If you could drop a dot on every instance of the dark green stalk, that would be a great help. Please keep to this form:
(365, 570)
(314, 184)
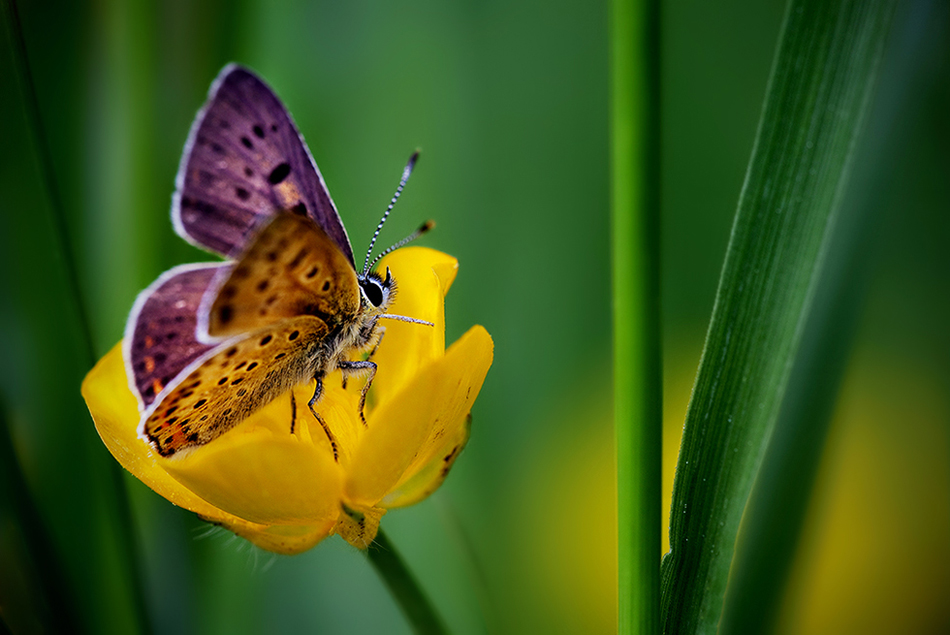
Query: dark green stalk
(635, 242)
(68, 262)
(41, 145)
(29, 545)
(403, 587)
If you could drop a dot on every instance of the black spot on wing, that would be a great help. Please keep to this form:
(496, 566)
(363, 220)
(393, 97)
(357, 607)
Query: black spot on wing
(279, 173)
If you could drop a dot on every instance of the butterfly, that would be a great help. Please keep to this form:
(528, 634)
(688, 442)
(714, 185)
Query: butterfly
(206, 345)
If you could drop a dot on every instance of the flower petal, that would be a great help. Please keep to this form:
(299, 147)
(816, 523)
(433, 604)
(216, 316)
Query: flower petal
(285, 539)
(115, 412)
(423, 276)
(252, 477)
(405, 431)
(263, 473)
(429, 468)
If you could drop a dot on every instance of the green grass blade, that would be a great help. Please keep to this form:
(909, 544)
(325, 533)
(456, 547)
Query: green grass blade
(823, 75)
(635, 235)
(64, 258)
(45, 161)
(772, 522)
(34, 588)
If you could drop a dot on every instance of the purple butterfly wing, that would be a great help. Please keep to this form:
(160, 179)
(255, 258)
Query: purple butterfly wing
(160, 336)
(244, 161)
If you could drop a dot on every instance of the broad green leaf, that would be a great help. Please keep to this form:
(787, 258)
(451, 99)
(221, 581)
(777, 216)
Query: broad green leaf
(823, 76)
(772, 522)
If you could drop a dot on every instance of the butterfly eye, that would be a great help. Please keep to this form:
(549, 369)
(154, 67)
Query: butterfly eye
(377, 290)
(373, 290)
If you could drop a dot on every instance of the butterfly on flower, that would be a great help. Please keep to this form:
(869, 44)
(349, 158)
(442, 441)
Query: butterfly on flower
(206, 345)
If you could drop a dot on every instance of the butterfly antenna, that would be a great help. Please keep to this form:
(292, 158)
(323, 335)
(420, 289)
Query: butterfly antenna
(402, 183)
(426, 226)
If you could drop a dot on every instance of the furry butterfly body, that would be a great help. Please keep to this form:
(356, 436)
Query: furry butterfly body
(207, 345)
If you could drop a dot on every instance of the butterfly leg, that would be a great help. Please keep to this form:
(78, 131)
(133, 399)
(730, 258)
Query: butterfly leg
(380, 331)
(349, 368)
(317, 392)
(293, 412)
(379, 340)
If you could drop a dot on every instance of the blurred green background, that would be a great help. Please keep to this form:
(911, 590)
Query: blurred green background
(508, 101)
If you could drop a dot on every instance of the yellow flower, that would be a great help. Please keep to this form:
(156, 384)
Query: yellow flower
(283, 490)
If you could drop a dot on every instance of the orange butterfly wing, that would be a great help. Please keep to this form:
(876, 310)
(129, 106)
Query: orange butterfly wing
(275, 307)
(292, 268)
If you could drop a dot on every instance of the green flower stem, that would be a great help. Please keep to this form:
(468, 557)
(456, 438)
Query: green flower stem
(635, 236)
(403, 586)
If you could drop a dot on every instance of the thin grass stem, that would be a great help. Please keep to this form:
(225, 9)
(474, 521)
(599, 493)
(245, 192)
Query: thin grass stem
(635, 242)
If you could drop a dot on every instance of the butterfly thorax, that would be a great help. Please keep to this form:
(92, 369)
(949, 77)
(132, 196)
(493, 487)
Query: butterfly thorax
(363, 333)
(349, 341)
